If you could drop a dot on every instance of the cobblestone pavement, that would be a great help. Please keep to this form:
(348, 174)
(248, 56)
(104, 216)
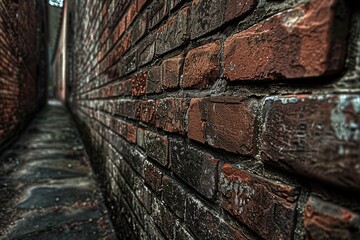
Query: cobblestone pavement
(47, 187)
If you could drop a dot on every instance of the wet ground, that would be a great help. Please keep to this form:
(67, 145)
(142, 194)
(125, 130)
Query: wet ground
(47, 187)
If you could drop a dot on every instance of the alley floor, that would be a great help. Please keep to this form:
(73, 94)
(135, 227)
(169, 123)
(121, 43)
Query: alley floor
(47, 187)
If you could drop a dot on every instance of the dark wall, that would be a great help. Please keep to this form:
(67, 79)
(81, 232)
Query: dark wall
(226, 119)
(22, 64)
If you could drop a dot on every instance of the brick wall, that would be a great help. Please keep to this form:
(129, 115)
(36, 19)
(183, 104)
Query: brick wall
(22, 64)
(226, 119)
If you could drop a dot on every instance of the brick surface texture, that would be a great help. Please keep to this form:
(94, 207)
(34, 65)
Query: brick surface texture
(22, 64)
(226, 119)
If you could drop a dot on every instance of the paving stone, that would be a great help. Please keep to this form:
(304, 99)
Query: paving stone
(47, 187)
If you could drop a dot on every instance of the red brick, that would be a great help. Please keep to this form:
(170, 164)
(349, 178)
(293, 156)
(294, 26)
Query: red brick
(146, 111)
(139, 84)
(123, 45)
(223, 122)
(131, 14)
(131, 133)
(325, 220)
(119, 29)
(301, 42)
(120, 127)
(238, 8)
(264, 206)
(196, 121)
(153, 176)
(314, 135)
(171, 72)
(202, 66)
(140, 4)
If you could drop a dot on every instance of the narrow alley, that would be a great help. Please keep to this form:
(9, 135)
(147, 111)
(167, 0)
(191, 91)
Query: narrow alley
(47, 186)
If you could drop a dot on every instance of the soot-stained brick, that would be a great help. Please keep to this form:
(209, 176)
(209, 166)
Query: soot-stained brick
(170, 114)
(206, 224)
(152, 176)
(157, 147)
(153, 82)
(174, 195)
(314, 135)
(325, 220)
(173, 33)
(263, 205)
(194, 166)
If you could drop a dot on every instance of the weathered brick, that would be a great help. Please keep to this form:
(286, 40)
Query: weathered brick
(152, 176)
(153, 232)
(140, 4)
(223, 122)
(131, 14)
(131, 133)
(158, 9)
(140, 137)
(174, 195)
(206, 15)
(206, 224)
(128, 64)
(135, 158)
(170, 114)
(200, 172)
(202, 66)
(139, 84)
(325, 220)
(153, 82)
(173, 33)
(163, 218)
(157, 147)
(146, 197)
(123, 88)
(301, 42)
(197, 121)
(174, 3)
(139, 29)
(171, 72)
(314, 135)
(119, 29)
(146, 49)
(181, 233)
(263, 205)
(238, 8)
(146, 111)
